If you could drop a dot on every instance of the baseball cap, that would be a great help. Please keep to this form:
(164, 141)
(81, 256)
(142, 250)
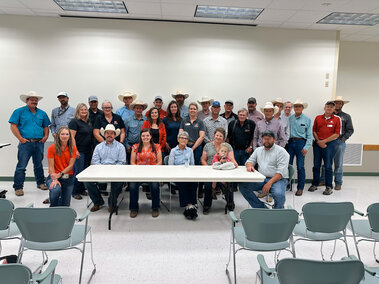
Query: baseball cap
(330, 103)
(216, 104)
(92, 98)
(158, 98)
(62, 94)
(252, 100)
(268, 133)
(229, 102)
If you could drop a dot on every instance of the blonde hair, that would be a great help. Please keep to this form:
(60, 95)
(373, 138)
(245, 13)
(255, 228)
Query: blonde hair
(57, 141)
(225, 146)
(193, 104)
(77, 111)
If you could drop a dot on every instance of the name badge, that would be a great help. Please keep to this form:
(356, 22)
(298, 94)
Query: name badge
(188, 124)
(329, 125)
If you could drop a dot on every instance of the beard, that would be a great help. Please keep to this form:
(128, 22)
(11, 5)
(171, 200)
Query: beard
(268, 145)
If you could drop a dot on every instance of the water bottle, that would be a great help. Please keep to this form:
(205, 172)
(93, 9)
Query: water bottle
(186, 160)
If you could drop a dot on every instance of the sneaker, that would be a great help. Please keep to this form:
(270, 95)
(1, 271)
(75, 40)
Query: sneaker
(261, 195)
(187, 213)
(269, 199)
(78, 197)
(19, 192)
(155, 213)
(42, 186)
(312, 188)
(299, 193)
(95, 208)
(133, 214)
(193, 213)
(231, 206)
(337, 187)
(328, 191)
(206, 210)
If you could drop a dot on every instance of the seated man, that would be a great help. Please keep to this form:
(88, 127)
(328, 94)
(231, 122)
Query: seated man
(272, 162)
(109, 152)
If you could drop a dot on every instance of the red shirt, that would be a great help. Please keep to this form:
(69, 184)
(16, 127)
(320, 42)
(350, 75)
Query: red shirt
(146, 157)
(61, 162)
(162, 113)
(162, 133)
(325, 128)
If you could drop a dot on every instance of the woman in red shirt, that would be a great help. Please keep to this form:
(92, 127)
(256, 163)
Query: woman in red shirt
(157, 127)
(145, 153)
(61, 157)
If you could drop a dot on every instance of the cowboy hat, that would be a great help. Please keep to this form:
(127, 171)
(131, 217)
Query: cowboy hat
(300, 102)
(110, 127)
(127, 94)
(278, 101)
(340, 99)
(138, 102)
(180, 93)
(270, 105)
(205, 99)
(31, 94)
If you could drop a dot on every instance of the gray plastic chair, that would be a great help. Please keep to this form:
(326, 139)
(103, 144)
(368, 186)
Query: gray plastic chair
(53, 229)
(262, 230)
(367, 229)
(8, 229)
(301, 271)
(16, 273)
(325, 221)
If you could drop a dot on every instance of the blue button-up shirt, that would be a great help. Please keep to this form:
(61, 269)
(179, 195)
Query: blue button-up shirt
(124, 112)
(61, 117)
(184, 111)
(133, 127)
(301, 127)
(286, 124)
(271, 162)
(109, 154)
(29, 124)
(179, 157)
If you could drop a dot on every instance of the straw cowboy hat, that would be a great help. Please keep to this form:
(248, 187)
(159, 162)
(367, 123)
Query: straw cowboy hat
(127, 94)
(270, 105)
(300, 102)
(205, 99)
(340, 99)
(180, 93)
(31, 94)
(278, 101)
(138, 102)
(110, 127)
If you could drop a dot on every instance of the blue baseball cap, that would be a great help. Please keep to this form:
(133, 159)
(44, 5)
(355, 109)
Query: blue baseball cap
(216, 104)
(64, 94)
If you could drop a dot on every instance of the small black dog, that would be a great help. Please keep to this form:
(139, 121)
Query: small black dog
(2, 194)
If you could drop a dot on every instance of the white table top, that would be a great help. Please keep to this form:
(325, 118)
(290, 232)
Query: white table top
(123, 173)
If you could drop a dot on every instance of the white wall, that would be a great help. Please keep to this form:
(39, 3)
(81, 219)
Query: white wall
(105, 57)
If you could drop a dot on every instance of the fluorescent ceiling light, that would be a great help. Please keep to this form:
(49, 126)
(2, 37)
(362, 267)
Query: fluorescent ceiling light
(338, 18)
(98, 6)
(227, 12)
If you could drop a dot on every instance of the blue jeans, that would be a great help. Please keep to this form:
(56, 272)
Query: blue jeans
(327, 155)
(241, 156)
(187, 193)
(94, 189)
(25, 151)
(278, 192)
(294, 149)
(80, 164)
(134, 195)
(338, 163)
(60, 195)
(197, 155)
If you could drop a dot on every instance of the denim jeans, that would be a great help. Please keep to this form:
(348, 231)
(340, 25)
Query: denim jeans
(326, 155)
(60, 195)
(80, 164)
(94, 189)
(278, 192)
(294, 149)
(208, 195)
(25, 151)
(338, 164)
(187, 193)
(134, 195)
(197, 155)
(241, 156)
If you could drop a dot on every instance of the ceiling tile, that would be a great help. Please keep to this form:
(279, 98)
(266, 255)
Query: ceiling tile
(17, 11)
(295, 25)
(41, 4)
(361, 6)
(319, 5)
(287, 4)
(11, 4)
(148, 8)
(276, 15)
(187, 10)
(307, 16)
(325, 27)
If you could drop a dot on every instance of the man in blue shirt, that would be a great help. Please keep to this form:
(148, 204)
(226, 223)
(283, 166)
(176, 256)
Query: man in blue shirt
(29, 125)
(61, 116)
(109, 152)
(127, 98)
(300, 140)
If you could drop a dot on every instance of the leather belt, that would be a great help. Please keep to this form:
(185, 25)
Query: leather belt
(296, 138)
(35, 140)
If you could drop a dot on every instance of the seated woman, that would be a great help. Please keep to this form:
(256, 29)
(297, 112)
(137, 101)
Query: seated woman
(145, 153)
(187, 190)
(209, 151)
(61, 157)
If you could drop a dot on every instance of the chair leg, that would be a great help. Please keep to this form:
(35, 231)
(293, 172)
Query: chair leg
(345, 241)
(93, 262)
(376, 259)
(355, 240)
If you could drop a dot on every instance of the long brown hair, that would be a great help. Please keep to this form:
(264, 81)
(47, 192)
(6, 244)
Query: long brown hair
(140, 145)
(169, 113)
(150, 119)
(57, 141)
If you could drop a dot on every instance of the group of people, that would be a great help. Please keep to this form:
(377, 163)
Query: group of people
(267, 141)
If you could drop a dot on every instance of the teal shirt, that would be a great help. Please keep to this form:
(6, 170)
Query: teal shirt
(301, 127)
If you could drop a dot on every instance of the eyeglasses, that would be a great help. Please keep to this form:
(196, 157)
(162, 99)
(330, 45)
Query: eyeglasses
(185, 138)
(107, 108)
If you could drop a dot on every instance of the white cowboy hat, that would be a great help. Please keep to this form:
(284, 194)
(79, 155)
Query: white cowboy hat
(110, 127)
(138, 102)
(180, 93)
(31, 94)
(205, 99)
(127, 94)
(340, 99)
(278, 101)
(300, 102)
(270, 105)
